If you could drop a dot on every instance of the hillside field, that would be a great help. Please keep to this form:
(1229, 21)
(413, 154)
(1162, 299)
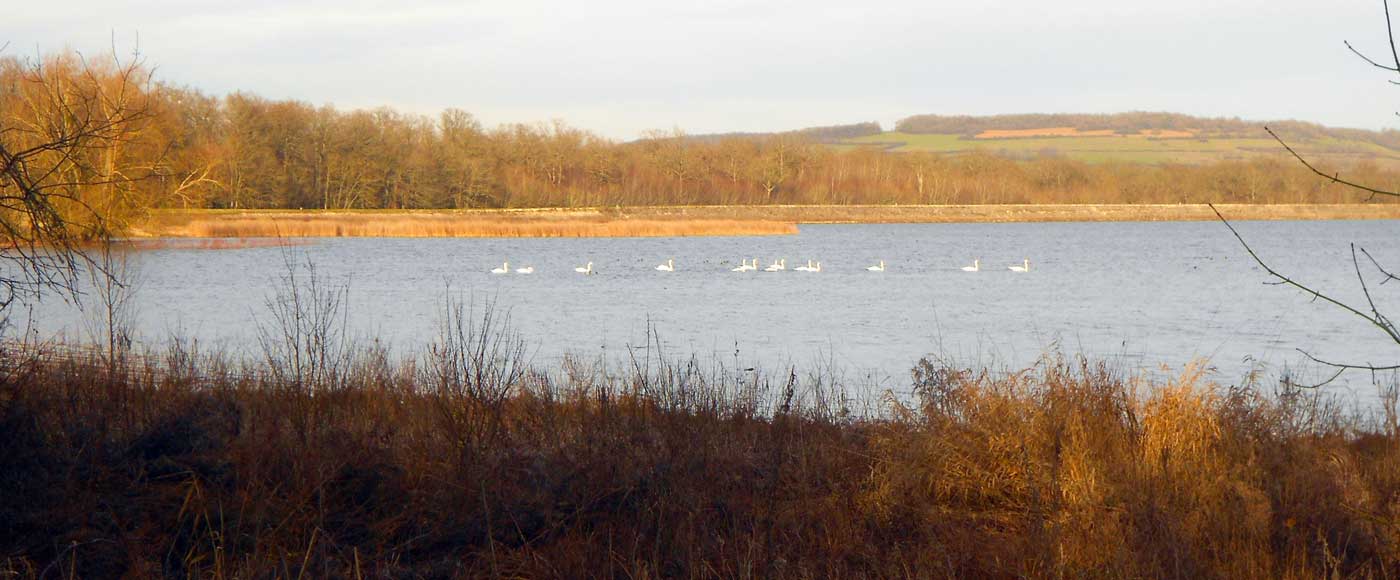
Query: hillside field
(1140, 148)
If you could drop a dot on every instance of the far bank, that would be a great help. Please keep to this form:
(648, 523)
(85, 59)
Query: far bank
(668, 221)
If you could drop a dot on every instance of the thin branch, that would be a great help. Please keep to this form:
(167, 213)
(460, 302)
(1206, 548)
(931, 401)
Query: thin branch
(1335, 178)
(1368, 59)
(1317, 295)
(1379, 318)
(1388, 275)
(1293, 383)
(1345, 366)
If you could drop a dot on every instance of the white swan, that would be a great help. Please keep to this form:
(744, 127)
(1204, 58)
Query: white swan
(585, 270)
(816, 268)
(744, 266)
(1024, 267)
(777, 266)
(976, 265)
(806, 268)
(504, 269)
(525, 270)
(669, 266)
(878, 267)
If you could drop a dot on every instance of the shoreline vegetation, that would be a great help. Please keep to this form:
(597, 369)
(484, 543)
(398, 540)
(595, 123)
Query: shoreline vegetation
(324, 459)
(668, 221)
(150, 146)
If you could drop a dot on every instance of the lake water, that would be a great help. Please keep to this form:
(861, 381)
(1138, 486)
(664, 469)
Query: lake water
(1141, 295)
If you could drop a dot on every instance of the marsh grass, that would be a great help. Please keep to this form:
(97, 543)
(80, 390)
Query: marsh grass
(447, 225)
(469, 461)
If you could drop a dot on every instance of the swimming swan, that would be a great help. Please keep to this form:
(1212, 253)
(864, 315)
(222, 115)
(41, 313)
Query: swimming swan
(976, 265)
(745, 267)
(807, 268)
(504, 269)
(585, 270)
(816, 268)
(1024, 267)
(777, 266)
(877, 268)
(669, 266)
(525, 270)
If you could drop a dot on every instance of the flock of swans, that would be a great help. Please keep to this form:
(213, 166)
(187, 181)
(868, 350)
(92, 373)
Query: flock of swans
(778, 265)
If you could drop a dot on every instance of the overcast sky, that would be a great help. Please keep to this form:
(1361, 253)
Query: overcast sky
(620, 67)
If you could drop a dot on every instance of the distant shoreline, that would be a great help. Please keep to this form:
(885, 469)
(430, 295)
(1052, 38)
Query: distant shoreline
(654, 221)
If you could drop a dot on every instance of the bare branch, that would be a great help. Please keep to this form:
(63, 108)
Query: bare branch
(1388, 275)
(1334, 178)
(1346, 367)
(1317, 295)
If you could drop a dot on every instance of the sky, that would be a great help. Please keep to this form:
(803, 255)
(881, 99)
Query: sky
(623, 67)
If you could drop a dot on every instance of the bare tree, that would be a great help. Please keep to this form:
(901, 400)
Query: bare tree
(1370, 312)
(65, 123)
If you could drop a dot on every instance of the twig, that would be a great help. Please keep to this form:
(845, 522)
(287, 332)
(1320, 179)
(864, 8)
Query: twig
(1346, 366)
(1334, 178)
(1317, 295)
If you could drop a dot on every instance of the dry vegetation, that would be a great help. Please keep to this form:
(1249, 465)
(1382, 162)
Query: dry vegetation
(330, 461)
(389, 224)
(683, 221)
(188, 150)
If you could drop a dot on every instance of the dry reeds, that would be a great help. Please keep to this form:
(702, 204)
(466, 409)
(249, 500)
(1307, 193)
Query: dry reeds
(438, 225)
(468, 462)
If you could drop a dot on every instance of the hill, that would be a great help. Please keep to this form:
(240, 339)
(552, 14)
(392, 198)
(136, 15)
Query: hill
(1139, 137)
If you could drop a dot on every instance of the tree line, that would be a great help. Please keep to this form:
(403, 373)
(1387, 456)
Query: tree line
(188, 149)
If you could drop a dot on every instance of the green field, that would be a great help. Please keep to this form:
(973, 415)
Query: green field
(1130, 148)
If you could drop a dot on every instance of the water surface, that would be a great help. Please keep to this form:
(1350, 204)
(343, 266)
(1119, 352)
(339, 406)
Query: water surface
(1144, 295)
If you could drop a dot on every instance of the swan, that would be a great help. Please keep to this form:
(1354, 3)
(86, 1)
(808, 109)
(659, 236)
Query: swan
(1024, 267)
(585, 270)
(807, 268)
(816, 268)
(744, 266)
(777, 266)
(669, 266)
(504, 269)
(525, 270)
(976, 265)
(877, 268)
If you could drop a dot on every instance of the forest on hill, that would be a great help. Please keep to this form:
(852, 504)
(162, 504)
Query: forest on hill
(182, 148)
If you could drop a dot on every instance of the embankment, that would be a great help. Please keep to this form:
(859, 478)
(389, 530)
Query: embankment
(667, 221)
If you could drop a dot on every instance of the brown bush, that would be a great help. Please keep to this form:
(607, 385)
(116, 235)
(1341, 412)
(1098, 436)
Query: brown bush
(469, 462)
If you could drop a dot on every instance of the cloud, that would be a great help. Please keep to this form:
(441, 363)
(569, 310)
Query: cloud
(623, 66)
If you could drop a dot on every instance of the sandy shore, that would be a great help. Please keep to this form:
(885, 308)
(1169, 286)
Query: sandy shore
(694, 220)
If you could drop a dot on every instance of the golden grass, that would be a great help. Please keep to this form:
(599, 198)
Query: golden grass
(471, 465)
(654, 221)
(438, 225)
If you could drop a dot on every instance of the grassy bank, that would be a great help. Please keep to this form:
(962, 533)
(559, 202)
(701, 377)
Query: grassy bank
(693, 220)
(470, 463)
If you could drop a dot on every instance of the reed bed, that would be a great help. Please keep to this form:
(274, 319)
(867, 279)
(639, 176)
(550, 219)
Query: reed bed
(328, 460)
(663, 221)
(436, 225)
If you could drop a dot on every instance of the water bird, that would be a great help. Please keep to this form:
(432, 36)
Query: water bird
(1024, 267)
(669, 266)
(585, 270)
(816, 268)
(878, 267)
(745, 267)
(976, 265)
(525, 270)
(807, 268)
(504, 269)
(777, 266)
